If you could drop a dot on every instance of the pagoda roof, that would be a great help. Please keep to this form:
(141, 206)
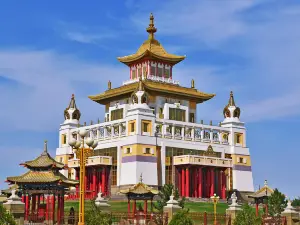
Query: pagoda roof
(34, 177)
(265, 191)
(151, 49)
(43, 161)
(139, 188)
(161, 87)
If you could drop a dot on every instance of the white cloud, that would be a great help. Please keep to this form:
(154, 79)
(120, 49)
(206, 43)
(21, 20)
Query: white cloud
(45, 82)
(87, 38)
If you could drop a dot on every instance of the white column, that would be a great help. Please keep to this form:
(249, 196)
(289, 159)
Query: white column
(211, 136)
(119, 154)
(182, 132)
(220, 136)
(112, 131)
(193, 133)
(173, 130)
(120, 129)
(202, 134)
(98, 132)
(105, 132)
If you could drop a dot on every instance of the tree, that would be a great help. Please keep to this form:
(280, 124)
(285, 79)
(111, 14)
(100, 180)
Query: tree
(276, 203)
(95, 216)
(164, 197)
(5, 217)
(247, 216)
(296, 202)
(181, 218)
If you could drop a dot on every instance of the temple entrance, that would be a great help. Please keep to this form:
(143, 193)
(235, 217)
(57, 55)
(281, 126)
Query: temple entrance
(200, 181)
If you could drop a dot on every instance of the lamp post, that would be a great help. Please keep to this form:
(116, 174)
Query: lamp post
(83, 154)
(215, 200)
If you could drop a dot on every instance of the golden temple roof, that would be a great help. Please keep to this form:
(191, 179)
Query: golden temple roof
(42, 177)
(156, 86)
(265, 191)
(140, 188)
(43, 161)
(151, 48)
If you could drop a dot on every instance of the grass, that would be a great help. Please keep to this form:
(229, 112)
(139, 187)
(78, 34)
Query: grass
(121, 206)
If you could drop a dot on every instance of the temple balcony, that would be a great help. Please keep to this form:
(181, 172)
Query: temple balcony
(154, 78)
(169, 129)
(201, 160)
(92, 161)
(195, 132)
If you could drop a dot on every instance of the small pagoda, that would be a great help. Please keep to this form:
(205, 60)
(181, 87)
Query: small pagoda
(43, 188)
(139, 191)
(261, 195)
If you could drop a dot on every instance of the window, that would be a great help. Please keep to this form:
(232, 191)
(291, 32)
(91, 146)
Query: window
(140, 72)
(147, 151)
(145, 127)
(152, 70)
(132, 126)
(159, 72)
(61, 159)
(116, 114)
(145, 71)
(161, 115)
(128, 151)
(192, 117)
(177, 114)
(238, 138)
(241, 160)
(153, 110)
(167, 73)
(133, 74)
(63, 139)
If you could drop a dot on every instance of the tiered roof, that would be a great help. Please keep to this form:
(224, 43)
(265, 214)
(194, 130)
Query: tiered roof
(154, 86)
(151, 48)
(42, 170)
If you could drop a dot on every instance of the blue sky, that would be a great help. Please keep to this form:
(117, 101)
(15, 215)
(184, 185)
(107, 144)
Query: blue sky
(50, 50)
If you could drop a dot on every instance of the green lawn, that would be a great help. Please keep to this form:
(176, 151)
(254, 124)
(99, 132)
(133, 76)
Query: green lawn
(121, 206)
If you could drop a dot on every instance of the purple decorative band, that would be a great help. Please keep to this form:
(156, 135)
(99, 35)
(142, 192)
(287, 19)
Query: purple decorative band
(242, 168)
(139, 158)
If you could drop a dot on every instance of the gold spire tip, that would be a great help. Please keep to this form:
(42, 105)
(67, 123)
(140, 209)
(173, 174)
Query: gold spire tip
(151, 29)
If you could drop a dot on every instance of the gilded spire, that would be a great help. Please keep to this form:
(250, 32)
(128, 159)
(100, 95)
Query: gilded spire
(231, 100)
(151, 29)
(72, 104)
(141, 178)
(45, 147)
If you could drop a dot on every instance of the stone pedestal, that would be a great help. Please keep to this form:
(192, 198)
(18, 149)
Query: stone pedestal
(16, 207)
(102, 204)
(292, 216)
(233, 209)
(172, 207)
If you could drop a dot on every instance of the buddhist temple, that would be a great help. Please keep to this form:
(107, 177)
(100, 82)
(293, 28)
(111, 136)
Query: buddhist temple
(43, 188)
(151, 126)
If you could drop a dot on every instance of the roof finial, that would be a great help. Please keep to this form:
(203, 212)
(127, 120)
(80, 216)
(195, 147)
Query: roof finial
(231, 100)
(151, 29)
(45, 146)
(109, 85)
(266, 183)
(72, 104)
(141, 178)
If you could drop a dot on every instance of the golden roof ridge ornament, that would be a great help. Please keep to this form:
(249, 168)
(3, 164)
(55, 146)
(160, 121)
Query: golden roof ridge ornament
(151, 29)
